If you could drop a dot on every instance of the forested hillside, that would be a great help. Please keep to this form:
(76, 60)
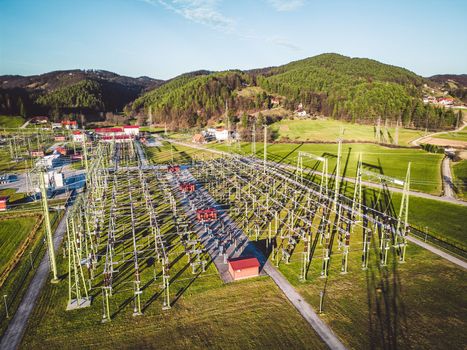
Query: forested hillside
(355, 89)
(71, 91)
(191, 100)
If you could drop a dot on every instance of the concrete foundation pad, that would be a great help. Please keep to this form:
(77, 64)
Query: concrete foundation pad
(75, 304)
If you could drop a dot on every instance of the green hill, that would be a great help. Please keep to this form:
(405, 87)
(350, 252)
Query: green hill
(191, 100)
(352, 89)
(355, 89)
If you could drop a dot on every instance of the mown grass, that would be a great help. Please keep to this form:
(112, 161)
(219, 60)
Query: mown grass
(8, 121)
(13, 231)
(458, 136)
(177, 154)
(251, 314)
(330, 130)
(459, 172)
(425, 168)
(420, 304)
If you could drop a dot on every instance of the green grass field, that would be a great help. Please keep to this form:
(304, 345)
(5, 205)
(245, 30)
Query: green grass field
(13, 231)
(459, 136)
(416, 305)
(459, 171)
(176, 153)
(7, 121)
(425, 173)
(330, 131)
(205, 313)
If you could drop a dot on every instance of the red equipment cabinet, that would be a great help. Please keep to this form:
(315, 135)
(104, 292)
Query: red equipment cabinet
(209, 214)
(187, 187)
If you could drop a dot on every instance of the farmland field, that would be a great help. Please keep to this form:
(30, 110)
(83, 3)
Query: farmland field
(459, 171)
(248, 314)
(7, 121)
(330, 131)
(425, 174)
(13, 231)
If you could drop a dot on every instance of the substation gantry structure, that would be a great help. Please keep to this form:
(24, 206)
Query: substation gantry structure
(287, 208)
(123, 229)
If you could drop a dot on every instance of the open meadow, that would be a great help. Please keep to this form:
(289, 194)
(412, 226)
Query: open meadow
(330, 130)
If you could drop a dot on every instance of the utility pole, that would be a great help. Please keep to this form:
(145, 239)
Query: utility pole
(150, 115)
(253, 137)
(85, 152)
(396, 136)
(378, 130)
(265, 152)
(338, 168)
(48, 228)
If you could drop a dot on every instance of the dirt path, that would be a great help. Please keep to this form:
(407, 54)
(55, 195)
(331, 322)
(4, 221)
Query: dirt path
(16, 328)
(425, 138)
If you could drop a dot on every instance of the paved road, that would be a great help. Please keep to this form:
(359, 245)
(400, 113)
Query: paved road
(15, 331)
(25, 124)
(447, 178)
(304, 308)
(349, 179)
(438, 252)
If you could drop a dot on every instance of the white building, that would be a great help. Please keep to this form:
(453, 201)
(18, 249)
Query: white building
(78, 136)
(48, 161)
(132, 130)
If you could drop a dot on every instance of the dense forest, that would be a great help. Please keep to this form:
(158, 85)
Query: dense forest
(70, 92)
(191, 100)
(355, 89)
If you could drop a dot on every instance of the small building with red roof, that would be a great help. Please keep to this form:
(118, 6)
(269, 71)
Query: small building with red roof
(243, 267)
(4, 203)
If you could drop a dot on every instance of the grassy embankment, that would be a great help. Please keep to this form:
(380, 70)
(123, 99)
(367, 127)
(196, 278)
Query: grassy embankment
(7, 121)
(459, 172)
(458, 136)
(330, 130)
(13, 231)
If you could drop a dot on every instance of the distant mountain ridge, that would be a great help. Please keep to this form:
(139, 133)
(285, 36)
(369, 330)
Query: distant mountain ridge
(442, 78)
(354, 89)
(70, 91)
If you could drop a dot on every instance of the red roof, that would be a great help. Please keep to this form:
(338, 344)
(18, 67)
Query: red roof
(131, 127)
(117, 137)
(107, 130)
(243, 263)
(69, 122)
(76, 133)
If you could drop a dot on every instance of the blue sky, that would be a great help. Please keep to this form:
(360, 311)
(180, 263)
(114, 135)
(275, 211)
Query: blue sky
(164, 38)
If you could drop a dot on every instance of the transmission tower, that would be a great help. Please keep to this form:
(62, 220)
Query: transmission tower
(48, 227)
